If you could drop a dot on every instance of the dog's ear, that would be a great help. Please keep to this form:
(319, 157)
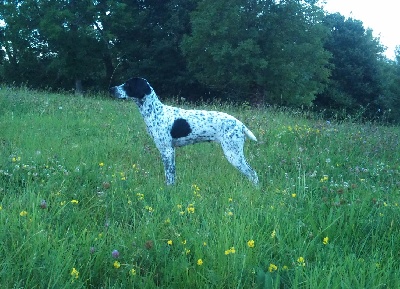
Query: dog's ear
(137, 87)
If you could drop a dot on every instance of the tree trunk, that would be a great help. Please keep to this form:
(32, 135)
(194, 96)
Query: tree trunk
(109, 68)
(78, 87)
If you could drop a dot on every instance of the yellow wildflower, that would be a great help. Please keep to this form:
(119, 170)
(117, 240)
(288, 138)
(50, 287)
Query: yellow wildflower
(75, 202)
(250, 243)
(272, 267)
(231, 250)
(199, 262)
(190, 208)
(273, 234)
(133, 272)
(325, 240)
(23, 213)
(101, 164)
(74, 273)
(169, 242)
(123, 176)
(117, 264)
(301, 261)
(325, 178)
(149, 209)
(136, 168)
(196, 191)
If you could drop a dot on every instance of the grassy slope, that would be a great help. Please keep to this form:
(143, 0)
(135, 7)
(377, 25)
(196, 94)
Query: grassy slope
(337, 182)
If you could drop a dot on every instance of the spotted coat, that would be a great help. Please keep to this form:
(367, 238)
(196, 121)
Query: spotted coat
(172, 127)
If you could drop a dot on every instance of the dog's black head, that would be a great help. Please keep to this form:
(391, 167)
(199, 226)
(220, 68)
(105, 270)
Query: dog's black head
(135, 88)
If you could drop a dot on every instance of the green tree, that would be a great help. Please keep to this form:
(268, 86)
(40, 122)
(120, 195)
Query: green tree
(70, 30)
(50, 43)
(66, 43)
(261, 50)
(147, 43)
(356, 78)
(390, 98)
(22, 47)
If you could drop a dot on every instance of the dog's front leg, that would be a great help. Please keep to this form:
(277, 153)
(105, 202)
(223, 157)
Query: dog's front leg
(168, 158)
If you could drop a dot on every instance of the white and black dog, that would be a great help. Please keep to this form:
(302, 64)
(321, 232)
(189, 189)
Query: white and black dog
(172, 127)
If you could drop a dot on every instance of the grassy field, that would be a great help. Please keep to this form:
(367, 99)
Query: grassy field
(83, 202)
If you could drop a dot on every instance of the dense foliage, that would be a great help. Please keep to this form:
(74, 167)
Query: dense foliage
(288, 53)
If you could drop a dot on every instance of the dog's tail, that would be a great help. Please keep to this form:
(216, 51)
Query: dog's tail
(249, 134)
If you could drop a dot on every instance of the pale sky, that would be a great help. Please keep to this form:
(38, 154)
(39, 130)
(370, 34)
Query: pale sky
(381, 16)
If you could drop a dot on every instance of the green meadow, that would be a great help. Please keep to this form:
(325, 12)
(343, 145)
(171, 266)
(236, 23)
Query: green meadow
(83, 202)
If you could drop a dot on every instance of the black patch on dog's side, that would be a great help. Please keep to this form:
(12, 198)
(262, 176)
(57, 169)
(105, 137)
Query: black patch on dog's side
(180, 128)
(137, 87)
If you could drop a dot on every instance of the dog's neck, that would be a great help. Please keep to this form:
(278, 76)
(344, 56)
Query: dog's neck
(149, 104)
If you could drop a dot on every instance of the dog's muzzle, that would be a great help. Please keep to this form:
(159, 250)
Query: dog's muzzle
(113, 91)
(118, 92)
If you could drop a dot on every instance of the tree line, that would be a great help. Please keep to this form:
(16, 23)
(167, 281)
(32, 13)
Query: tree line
(287, 52)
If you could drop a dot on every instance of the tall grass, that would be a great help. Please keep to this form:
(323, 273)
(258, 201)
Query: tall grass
(83, 202)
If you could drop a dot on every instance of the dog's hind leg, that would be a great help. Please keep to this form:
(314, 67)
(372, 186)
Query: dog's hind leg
(233, 151)
(168, 159)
